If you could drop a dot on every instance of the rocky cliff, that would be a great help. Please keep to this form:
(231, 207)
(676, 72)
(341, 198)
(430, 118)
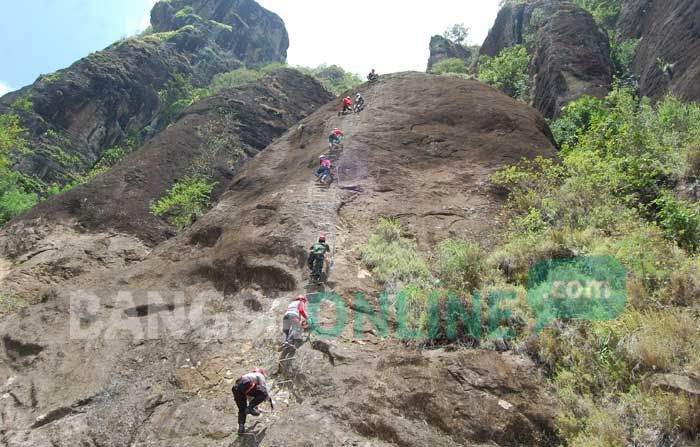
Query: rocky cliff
(75, 114)
(667, 59)
(571, 53)
(424, 140)
(571, 59)
(107, 221)
(441, 49)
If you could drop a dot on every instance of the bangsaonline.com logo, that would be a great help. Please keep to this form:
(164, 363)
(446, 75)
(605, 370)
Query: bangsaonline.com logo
(580, 288)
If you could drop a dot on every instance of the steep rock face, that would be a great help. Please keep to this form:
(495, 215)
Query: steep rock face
(571, 60)
(107, 222)
(668, 55)
(81, 111)
(571, 53)
(441, 49)
(421, 152)
(511, 26)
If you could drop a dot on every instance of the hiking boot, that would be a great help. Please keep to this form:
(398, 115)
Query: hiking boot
(241, 429)
(252, 411)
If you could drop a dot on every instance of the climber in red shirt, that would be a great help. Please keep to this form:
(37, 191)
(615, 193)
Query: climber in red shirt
(347, 104)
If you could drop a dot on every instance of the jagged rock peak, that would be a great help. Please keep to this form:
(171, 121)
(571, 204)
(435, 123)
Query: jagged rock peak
(442, 48)
(233, 22)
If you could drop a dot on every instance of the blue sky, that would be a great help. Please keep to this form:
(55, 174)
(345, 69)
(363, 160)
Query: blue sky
(41, 36)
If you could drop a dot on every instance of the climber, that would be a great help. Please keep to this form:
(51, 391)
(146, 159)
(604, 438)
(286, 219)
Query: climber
(359, 102)
(317, 256)
(325, 167)
(334, 137)
(250, 385)
(372, 76)
(347, 104)
(292, 321)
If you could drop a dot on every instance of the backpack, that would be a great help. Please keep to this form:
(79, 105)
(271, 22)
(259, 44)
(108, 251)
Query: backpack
(318, 249)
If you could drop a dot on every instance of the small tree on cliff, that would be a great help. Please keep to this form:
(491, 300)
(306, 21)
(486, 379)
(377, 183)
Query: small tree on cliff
(457, 33)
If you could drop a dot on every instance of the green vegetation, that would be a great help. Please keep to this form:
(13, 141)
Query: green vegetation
(242, 77)
(222, 26)
(334, 78)
(457, 33)
(23, 103)
(617, 192)
(451, 67)
(10, 305)
(507, 72)
(606, 12)
(392, 257)
(178, 94)
(14, 196)
(185, 201)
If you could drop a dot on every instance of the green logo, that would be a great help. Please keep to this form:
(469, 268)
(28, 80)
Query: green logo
(585, 288)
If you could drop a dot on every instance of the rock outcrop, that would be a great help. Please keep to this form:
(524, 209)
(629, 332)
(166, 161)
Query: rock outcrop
(667, 59)
(107, 221)
(75, 114)
(442, 48)
(571, 53)
(112, 367)
(572, 59)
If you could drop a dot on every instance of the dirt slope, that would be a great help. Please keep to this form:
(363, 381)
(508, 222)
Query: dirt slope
(421, 152)
(107, 221)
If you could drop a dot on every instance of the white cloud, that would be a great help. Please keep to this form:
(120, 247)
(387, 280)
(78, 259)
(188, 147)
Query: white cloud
(387, 35)
(136, 25)
(4, 88)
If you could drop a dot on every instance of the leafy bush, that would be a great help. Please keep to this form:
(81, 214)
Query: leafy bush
(461, 265)
(450, 66)
(392, 257)
(185, 201)
(622, 55)
(605, 12)
(242, 77)
(457, 33)
(679, 220)
(14, 199)
(507, 72)
(334, 78)
(177, 94)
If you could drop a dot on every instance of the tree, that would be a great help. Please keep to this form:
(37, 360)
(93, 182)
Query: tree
(457, 33)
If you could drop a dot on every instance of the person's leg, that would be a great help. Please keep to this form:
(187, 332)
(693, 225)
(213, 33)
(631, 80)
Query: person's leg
(258, 398)
(242, 404)
(286, 327)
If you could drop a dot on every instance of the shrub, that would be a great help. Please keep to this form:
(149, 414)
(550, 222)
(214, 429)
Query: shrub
(461, 265)
(242, 77)
(14, 199)
(334, 78)
(392, 257)
(507, 72)
(177, 94)
(679, 220)
(450, 66)
(185, 201)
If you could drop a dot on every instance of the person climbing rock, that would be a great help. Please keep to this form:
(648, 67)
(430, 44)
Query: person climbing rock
(334, 137)
(253, 386)
(372, 76)
(359, 102)
(294, 318)
(324, 169)
(317, 256)
(347, 105)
